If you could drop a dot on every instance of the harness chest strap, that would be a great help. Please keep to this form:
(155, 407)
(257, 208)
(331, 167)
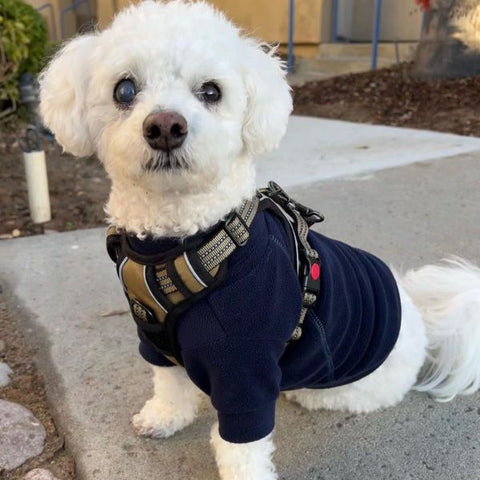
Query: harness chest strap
(160, 289)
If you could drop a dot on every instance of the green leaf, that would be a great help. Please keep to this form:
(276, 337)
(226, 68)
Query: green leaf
(24, 40)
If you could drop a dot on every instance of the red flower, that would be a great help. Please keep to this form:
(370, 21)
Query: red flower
(425, 4)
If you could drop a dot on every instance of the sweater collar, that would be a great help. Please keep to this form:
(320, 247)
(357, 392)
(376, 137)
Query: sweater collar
(159, 246)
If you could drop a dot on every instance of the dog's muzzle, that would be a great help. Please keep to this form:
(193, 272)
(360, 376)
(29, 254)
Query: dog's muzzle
(165, 130)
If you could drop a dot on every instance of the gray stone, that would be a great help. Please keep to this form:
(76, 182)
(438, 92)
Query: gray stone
(22, 436)
(5, 371)
(39, 474)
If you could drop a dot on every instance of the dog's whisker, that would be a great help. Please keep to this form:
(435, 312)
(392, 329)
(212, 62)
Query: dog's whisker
(149, 164)
(168, 161)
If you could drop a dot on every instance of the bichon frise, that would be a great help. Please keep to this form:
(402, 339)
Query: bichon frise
(232, 295)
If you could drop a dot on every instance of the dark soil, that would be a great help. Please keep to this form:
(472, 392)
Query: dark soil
(392, 96)
(78, 190)
(27, 388)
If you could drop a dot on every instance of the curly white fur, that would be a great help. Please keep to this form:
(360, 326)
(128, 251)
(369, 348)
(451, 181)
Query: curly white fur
(161, 47)
(155, 44)
(448, 298)
(244, 461)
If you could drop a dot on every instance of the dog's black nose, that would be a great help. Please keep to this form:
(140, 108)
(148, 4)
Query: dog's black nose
(165, 130)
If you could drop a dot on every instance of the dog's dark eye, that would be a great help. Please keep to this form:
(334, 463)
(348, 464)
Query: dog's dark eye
(125, 92)
(210, 93)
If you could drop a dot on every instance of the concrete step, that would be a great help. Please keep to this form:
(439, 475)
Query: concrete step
(405, 50)
(330, 67)
(334, 59)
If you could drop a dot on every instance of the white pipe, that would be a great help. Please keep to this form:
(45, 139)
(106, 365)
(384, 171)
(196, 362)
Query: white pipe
(37, 185)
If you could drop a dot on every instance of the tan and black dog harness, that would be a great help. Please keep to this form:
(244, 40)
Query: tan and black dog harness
(161, 287)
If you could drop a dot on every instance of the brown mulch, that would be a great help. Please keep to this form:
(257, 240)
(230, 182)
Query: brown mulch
(392, 96)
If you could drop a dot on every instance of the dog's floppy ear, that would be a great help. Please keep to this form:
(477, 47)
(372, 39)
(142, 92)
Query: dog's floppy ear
(269, 101)
(63, 91)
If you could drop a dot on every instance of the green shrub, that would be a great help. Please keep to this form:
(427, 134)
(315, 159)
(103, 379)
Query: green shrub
(23, 45)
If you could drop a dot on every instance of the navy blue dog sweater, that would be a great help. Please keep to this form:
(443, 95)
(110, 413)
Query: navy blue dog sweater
(234, 341)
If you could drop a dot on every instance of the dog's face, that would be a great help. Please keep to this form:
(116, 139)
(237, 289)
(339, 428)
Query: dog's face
(170, 90)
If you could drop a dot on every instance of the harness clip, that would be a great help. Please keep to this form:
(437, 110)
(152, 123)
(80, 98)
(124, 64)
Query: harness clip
(277, 193)
(310, 215)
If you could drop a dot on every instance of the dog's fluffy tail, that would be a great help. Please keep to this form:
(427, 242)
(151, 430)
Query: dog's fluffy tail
(448, 298)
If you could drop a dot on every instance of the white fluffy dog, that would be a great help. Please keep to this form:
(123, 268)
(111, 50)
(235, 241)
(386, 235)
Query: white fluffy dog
(222, 97)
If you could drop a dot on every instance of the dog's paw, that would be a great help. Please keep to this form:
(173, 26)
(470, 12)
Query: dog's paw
(160, 420)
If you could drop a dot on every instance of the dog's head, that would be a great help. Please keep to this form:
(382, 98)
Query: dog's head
(170, 89)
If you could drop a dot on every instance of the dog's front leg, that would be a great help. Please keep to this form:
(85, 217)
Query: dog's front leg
(174, 404)
(244, 461)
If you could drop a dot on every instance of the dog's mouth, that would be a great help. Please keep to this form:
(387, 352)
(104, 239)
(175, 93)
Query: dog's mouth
(167, 161)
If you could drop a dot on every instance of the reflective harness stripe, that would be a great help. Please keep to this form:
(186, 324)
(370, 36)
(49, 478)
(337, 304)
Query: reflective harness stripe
(192, 271)
(160, 289)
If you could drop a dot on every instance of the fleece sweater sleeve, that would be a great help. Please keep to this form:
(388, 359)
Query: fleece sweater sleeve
(242, 377)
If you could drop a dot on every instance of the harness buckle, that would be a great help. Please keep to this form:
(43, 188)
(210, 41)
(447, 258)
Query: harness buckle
(310, 215)
(277, 193)
(239, 233)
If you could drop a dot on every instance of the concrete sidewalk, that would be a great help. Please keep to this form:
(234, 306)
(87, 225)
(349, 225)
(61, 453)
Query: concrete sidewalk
(316, 149)
(61, 285)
